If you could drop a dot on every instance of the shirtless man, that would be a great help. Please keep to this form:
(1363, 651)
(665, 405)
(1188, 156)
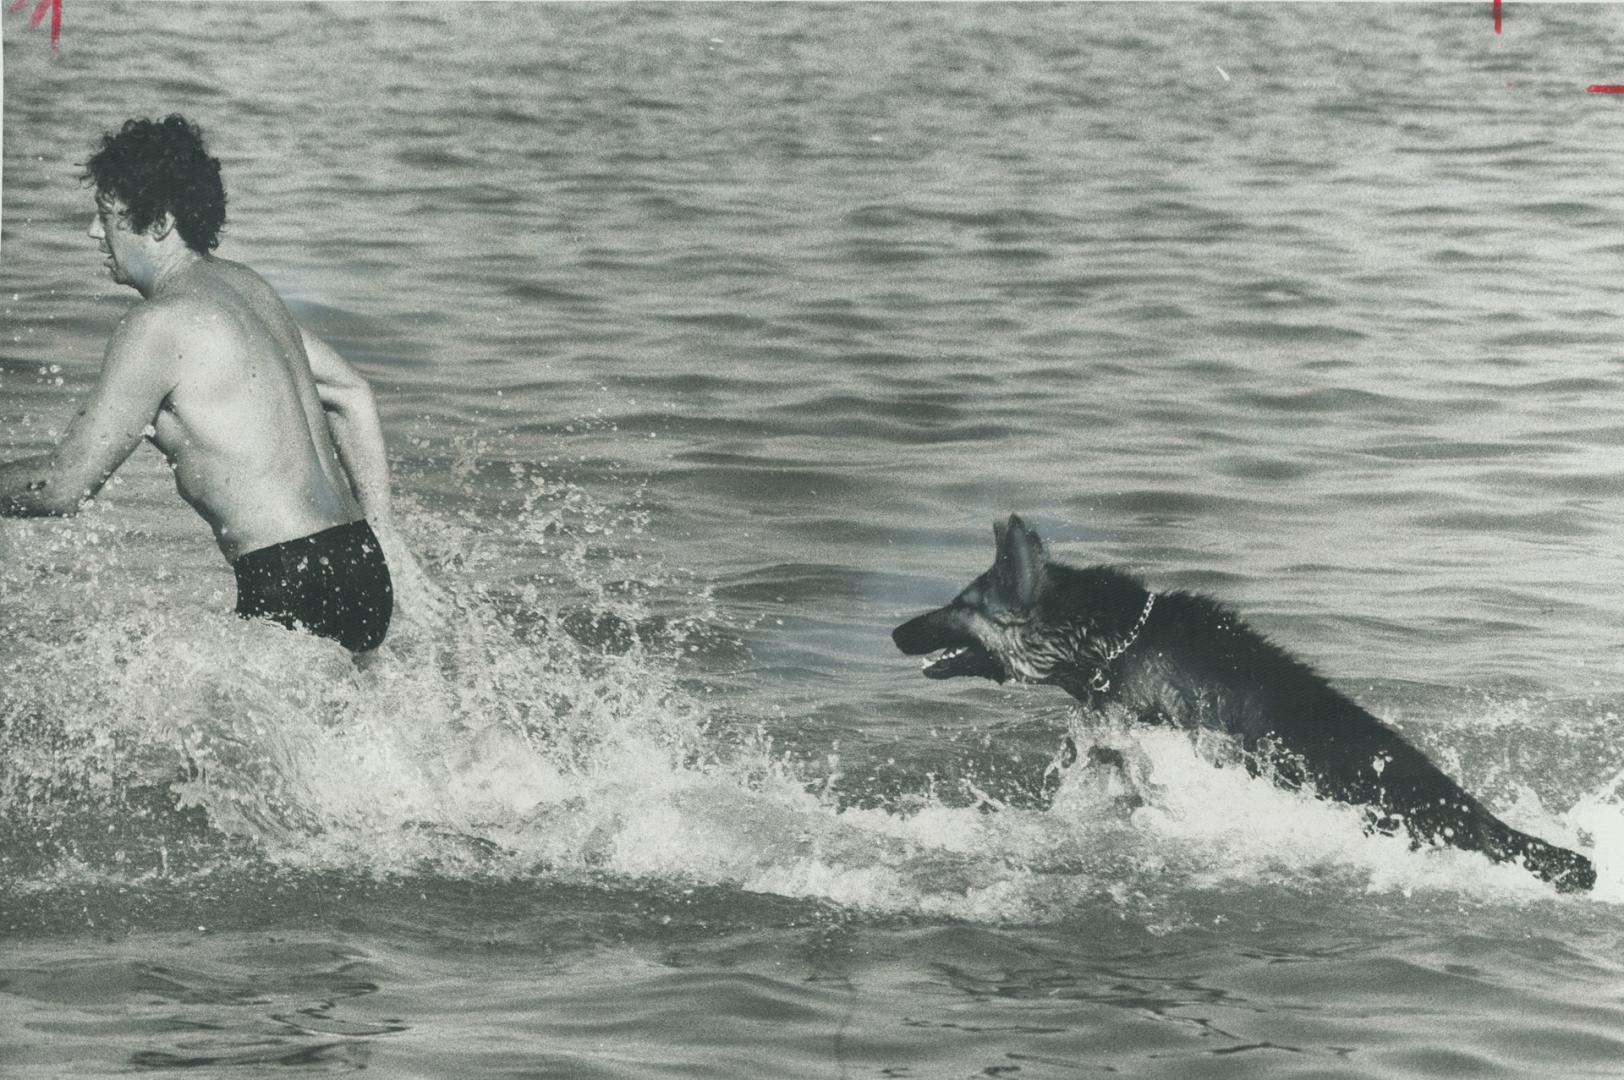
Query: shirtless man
(274, 439)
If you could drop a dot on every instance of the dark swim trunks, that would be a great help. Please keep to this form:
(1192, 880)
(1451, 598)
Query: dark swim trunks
(334, 584)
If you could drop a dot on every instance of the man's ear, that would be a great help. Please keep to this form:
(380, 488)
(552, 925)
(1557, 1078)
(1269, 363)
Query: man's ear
(162, 226)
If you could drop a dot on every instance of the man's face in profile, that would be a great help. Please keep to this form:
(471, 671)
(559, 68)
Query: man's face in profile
(122, 245)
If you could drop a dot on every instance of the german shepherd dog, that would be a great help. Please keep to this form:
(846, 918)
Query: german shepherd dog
(1177, 658)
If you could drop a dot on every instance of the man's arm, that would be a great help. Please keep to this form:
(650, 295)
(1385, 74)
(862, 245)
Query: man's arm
(352, 416)
(136, 377)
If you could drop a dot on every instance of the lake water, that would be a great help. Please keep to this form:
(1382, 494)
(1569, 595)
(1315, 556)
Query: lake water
(710, 341)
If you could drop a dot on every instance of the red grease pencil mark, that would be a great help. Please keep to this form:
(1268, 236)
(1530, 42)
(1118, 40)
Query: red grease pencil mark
(1594, 88)
(54, 7)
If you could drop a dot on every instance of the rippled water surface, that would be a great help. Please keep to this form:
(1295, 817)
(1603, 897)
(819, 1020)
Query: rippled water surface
(710, 340)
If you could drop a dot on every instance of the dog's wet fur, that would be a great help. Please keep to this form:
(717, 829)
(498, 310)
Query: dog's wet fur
(1193, 663)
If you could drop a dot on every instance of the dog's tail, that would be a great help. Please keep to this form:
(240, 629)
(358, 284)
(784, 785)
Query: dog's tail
(1567, 870)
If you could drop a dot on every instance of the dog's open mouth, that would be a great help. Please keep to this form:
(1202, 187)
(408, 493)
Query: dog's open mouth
(962, 660)
(949, 649)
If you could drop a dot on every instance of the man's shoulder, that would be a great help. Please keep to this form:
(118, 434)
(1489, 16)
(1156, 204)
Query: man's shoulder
(164, 336)
(203, 307)
(147, 324)
(143, 347)
(163, 328)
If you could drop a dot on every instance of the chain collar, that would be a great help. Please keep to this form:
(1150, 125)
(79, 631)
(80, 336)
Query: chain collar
(1101, 682)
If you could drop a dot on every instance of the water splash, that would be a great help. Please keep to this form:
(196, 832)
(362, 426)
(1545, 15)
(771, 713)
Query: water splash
(552, 724)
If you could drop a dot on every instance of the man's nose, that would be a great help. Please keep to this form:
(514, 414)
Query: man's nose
(96, 232)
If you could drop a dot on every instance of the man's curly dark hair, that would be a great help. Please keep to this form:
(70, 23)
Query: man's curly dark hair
(158, 166)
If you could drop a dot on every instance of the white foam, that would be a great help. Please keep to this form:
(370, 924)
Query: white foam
(500, 743)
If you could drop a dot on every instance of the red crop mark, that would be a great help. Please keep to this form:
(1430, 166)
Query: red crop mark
(1605, 88)
(1496, 16)
(54, 7)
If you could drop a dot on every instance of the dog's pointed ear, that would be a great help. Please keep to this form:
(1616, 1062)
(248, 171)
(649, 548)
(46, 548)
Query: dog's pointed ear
(1020, 560)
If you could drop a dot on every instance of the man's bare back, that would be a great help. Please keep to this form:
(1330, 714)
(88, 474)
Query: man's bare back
(243, 425)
